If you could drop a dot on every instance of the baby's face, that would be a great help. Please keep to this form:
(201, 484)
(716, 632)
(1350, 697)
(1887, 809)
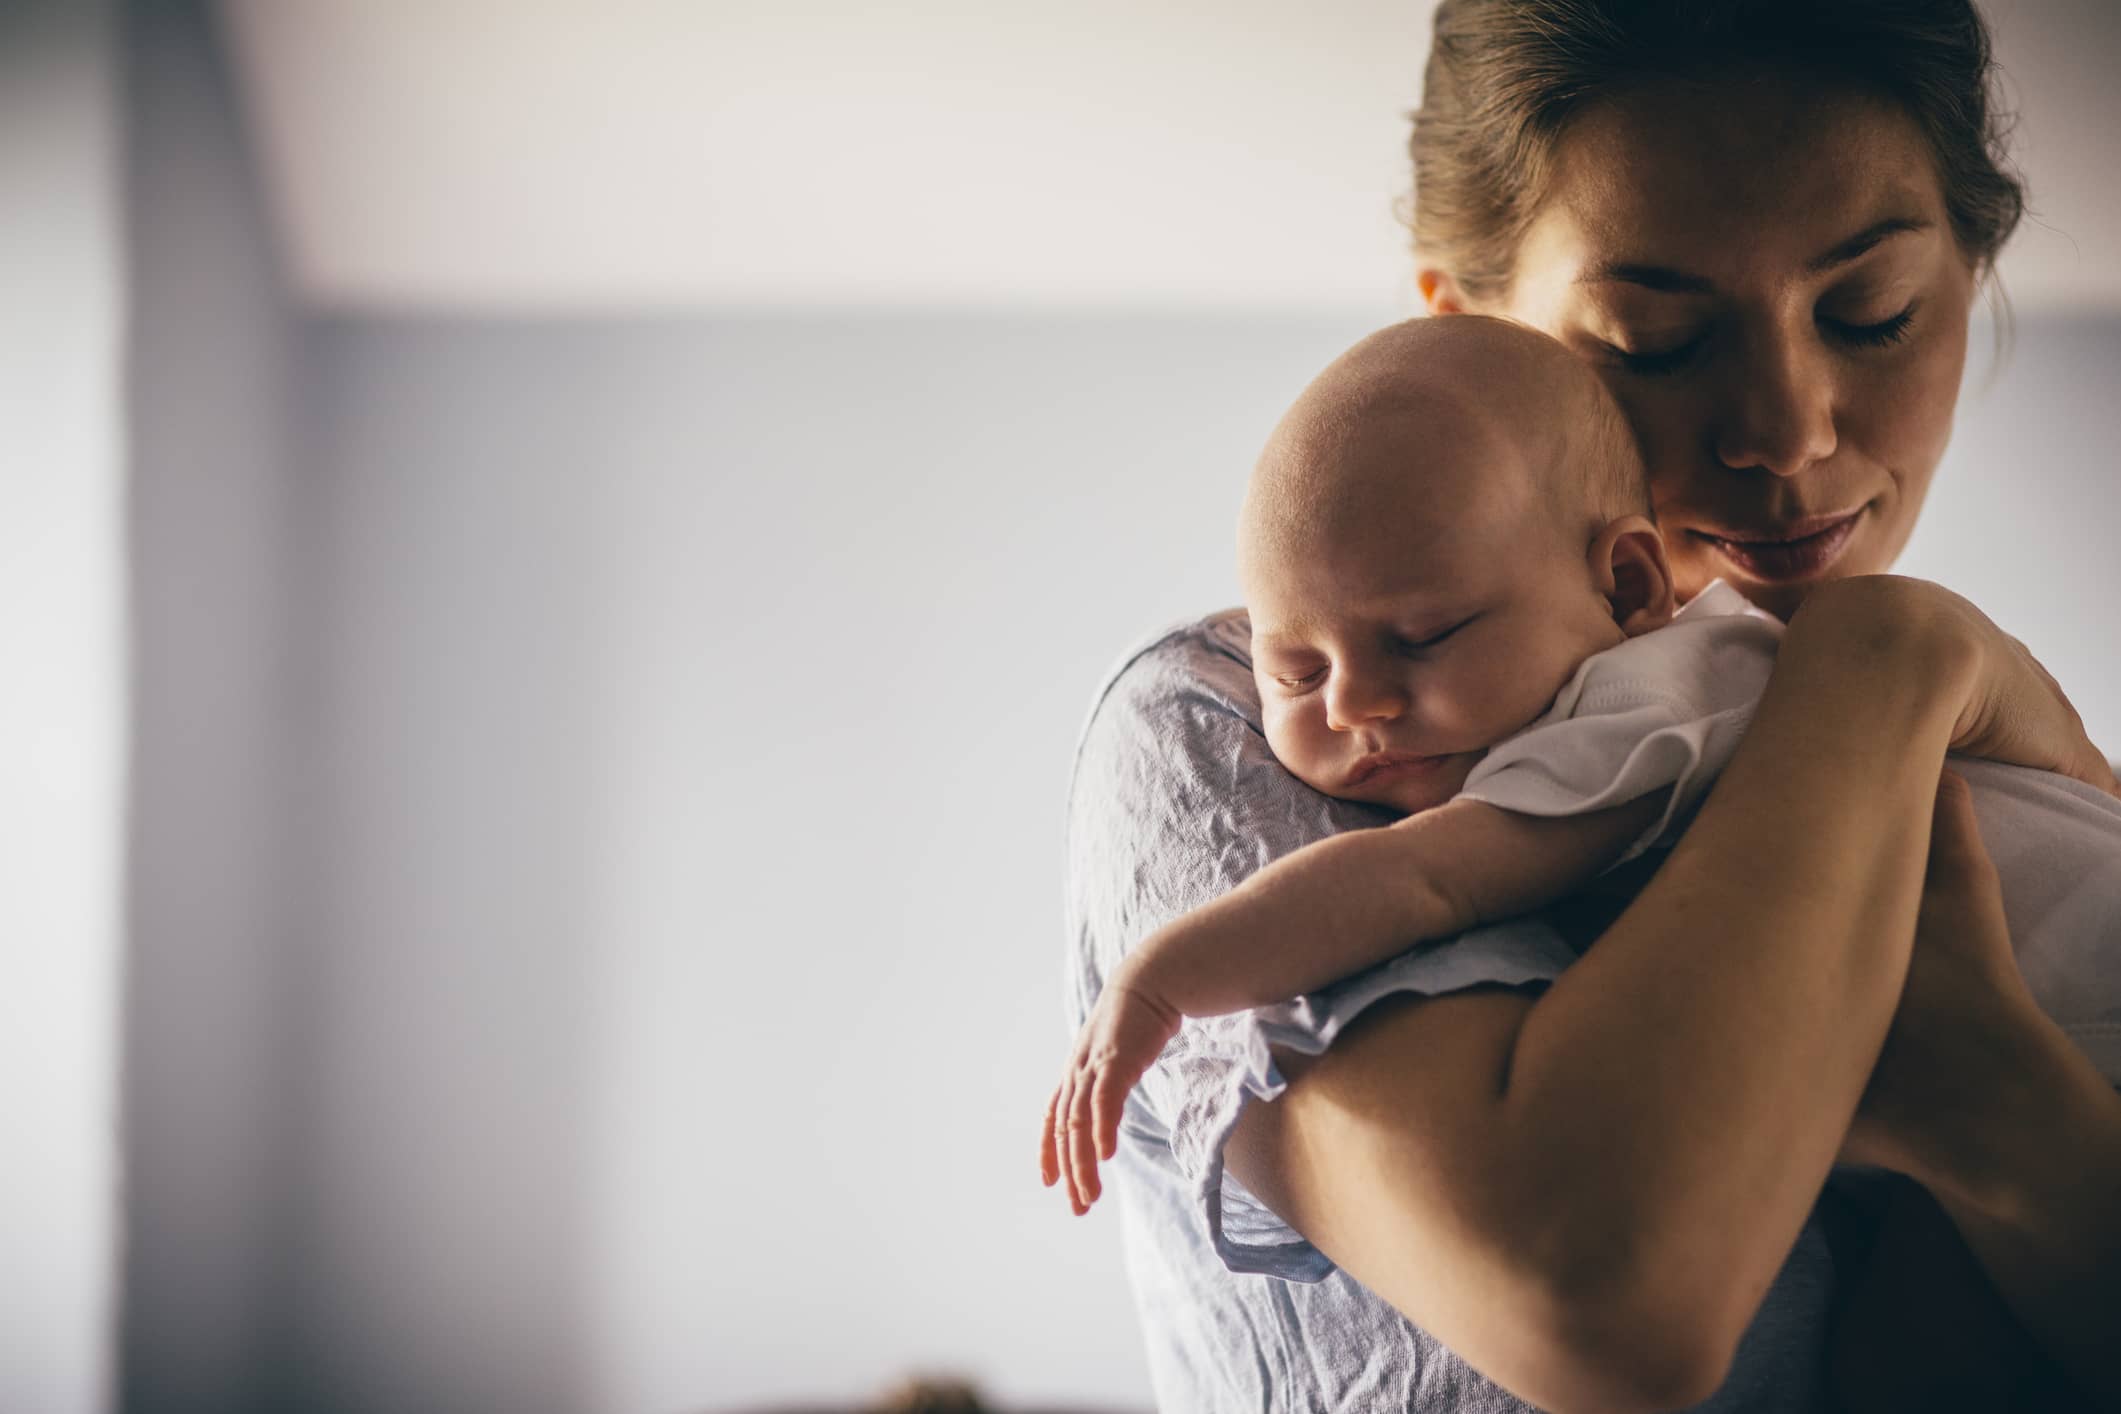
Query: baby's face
(1400, 639)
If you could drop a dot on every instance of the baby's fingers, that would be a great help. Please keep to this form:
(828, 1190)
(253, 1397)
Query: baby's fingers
(1048, 1159)
(1108, 1100)
(1064, 1158)
(1082, 1141)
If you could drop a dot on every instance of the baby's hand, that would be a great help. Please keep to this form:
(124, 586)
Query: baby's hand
(1127, 1030)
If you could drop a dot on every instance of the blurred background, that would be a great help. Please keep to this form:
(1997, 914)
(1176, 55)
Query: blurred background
(551, 558)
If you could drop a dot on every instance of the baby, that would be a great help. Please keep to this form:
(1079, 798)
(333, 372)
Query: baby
(1462, 611)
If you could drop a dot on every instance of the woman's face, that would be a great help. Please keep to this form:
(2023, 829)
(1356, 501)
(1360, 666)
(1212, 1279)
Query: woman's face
(1765, 276)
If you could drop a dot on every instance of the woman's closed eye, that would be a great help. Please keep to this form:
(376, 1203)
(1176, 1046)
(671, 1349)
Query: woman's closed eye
(1667, 360)
(1677, 356)
(1885, 331)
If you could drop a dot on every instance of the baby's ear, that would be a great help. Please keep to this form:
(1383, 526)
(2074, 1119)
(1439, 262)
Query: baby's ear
(1629, 567)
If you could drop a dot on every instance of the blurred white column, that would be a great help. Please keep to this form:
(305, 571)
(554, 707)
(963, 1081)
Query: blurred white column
(62, 694)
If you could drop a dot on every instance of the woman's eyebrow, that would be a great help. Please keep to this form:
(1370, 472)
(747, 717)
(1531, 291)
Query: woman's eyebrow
(1665, 279)
(1863, 240)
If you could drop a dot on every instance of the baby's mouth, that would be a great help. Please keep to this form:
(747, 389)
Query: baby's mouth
(1380, 764)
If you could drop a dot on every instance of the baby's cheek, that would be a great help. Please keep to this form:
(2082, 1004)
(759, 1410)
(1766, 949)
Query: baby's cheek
(1532, 691)
(1280, 740)
(1293, 745)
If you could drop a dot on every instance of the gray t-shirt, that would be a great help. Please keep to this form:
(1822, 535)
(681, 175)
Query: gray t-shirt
(1176, 799)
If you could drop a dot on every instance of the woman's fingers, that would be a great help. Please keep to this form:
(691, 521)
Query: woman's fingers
(1959, 861)
(2095, 770)
(2014, 711)
(1950, 818)
(1958, 1031)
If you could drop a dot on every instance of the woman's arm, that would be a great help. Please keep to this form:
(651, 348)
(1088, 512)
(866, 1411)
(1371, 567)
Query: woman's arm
(1587, 1194)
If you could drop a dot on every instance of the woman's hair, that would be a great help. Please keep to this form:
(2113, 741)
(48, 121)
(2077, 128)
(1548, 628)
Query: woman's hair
(1506, 76)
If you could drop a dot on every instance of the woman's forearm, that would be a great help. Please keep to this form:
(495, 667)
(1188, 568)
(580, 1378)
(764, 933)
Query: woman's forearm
(1687, 1085)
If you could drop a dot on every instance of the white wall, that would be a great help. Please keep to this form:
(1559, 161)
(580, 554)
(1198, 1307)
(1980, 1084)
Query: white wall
(62, 700)
(213, 387)
(2025, 511)
(699, 710)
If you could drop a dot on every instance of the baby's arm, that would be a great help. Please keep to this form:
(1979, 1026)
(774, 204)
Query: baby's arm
(1349, 902)
(1328, 910)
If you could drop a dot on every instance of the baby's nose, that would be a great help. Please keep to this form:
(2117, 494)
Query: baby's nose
(1353, 700)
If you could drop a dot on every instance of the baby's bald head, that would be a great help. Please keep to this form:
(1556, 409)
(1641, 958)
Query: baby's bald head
(1428, 422)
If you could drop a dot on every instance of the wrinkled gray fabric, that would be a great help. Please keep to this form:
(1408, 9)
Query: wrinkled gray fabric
(1176, 799)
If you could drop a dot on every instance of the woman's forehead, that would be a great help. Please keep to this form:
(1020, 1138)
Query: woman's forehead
(1729, 185)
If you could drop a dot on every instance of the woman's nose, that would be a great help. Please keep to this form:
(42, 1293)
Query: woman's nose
(1779, 409)
(1355, 698)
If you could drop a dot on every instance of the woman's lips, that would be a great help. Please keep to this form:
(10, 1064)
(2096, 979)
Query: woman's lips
(1798, 551)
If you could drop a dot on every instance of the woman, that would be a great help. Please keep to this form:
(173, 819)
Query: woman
(1514, 1175)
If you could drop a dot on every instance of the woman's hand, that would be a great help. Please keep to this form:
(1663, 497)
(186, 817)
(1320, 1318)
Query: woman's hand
(2010, 707)
(1965, 1023)
(1919, 1325)
(1126, 1031)
(1966, 1094)
(1950, 1042)
(2022, 709)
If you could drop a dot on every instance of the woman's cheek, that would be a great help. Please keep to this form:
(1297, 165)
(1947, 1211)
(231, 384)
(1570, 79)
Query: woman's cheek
(1902, 420)
(1668, 428)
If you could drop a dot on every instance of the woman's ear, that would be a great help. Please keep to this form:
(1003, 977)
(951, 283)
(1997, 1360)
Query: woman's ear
(1440, 292)
(1629, 568)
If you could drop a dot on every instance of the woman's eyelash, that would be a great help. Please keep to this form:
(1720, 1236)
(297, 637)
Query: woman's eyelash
(1668, 361)
(1298, 683)
(1888, 331)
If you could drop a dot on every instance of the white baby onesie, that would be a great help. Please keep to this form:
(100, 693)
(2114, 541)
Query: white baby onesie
(1668, 707)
